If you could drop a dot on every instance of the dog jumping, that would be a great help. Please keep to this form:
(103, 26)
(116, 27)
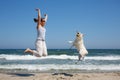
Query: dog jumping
(79, 45)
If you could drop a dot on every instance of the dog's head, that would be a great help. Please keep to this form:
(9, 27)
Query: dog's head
(79, 35)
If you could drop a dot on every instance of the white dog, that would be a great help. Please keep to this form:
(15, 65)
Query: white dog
(79, 45)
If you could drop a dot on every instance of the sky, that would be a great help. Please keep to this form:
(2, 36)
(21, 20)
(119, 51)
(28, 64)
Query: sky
(98, 20)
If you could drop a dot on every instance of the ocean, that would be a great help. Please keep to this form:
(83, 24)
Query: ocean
(60, 59)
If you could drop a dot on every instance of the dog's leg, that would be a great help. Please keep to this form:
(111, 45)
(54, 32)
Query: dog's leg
(82, 58)
(79, 57)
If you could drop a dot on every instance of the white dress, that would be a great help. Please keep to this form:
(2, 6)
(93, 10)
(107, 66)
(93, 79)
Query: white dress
(41, 49)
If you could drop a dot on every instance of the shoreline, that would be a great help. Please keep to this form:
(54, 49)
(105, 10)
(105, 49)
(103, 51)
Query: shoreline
(61, 75)
(56, 71)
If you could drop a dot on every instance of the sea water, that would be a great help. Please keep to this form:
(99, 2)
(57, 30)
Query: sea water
(61, 59)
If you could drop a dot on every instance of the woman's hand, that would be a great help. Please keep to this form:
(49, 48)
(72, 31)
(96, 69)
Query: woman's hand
(45, 14)
(37, 9)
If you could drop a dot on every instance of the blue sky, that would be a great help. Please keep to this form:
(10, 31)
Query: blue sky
(98, 20)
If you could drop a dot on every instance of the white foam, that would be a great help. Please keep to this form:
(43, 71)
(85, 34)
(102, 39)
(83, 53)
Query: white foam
(104, 58)
(30, 57)
(45, 67)
(18, 57)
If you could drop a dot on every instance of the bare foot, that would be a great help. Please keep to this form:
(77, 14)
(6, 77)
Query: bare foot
(27, 50)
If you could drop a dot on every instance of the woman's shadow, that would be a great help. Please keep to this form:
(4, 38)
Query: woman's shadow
(21, 74)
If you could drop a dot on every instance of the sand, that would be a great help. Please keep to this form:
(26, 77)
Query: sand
(61, 76)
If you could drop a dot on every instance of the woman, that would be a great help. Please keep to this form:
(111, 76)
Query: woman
(41, 49)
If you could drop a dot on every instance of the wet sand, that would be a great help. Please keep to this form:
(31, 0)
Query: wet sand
(61, 76)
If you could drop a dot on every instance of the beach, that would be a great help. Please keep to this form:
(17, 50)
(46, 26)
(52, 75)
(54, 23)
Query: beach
(60, 64)
(60, 76)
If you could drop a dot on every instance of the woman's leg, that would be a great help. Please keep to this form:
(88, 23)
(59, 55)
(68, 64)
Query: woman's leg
(28, 50)
(38, 52)
(44, 49)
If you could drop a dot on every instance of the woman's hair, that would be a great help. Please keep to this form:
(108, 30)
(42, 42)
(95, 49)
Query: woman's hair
(35, 20)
